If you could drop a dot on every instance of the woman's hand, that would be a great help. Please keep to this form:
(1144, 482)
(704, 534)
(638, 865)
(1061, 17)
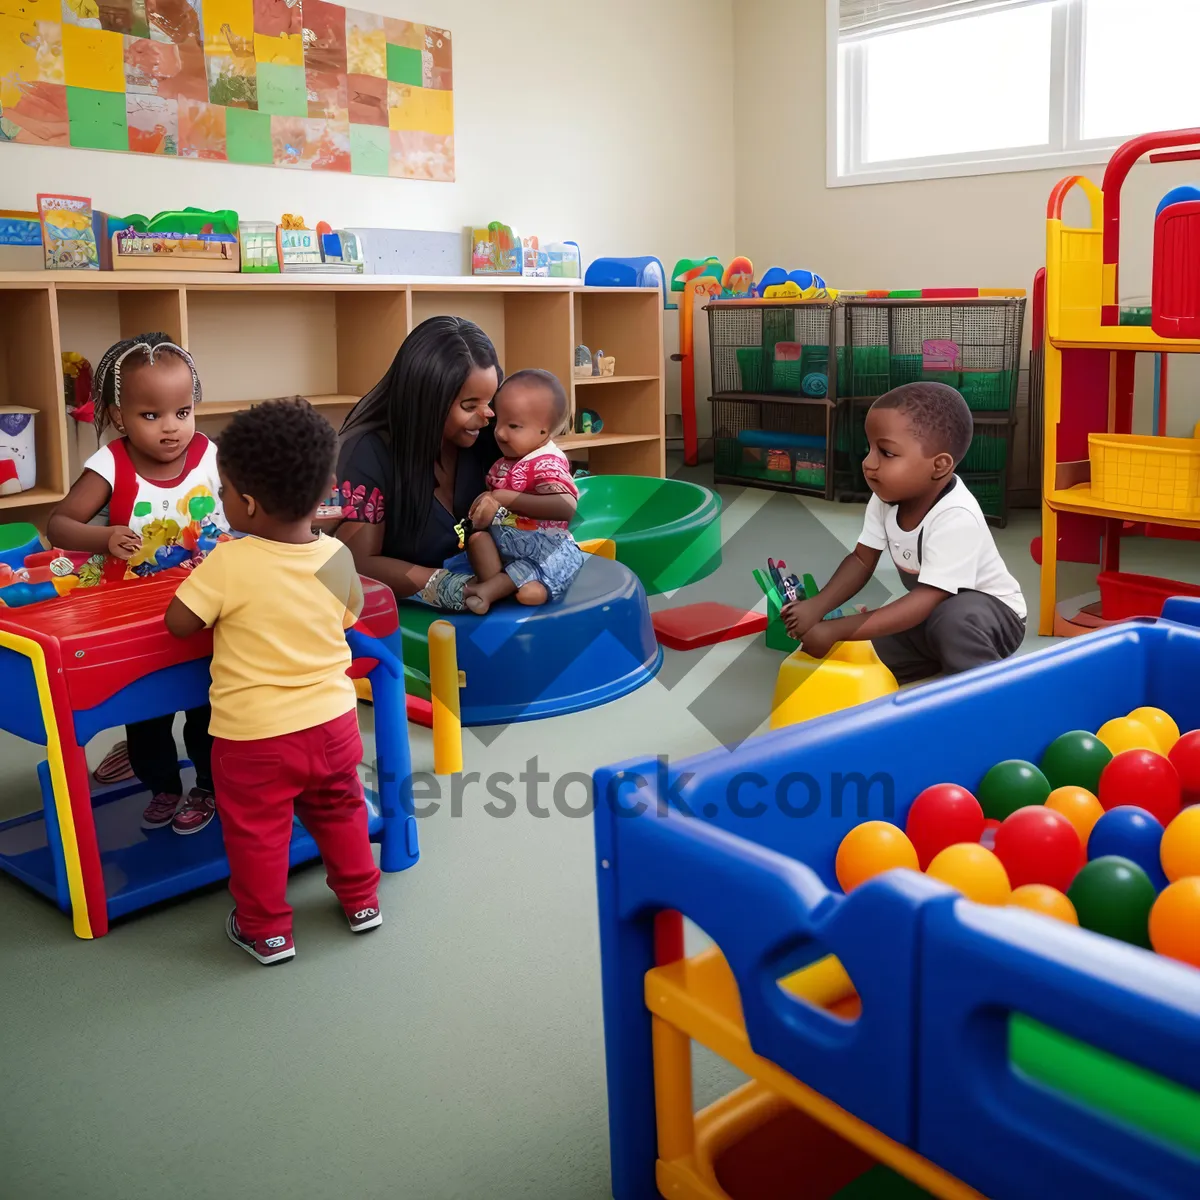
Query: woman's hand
(485, 508)
(123, 543)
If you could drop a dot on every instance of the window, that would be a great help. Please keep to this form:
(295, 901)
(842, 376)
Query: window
(924, 88)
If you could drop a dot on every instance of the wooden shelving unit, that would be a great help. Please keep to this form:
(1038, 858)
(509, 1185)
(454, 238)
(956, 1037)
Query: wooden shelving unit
(328, 338)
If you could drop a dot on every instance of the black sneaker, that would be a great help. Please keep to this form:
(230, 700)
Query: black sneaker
(268, 951)
(364, 919)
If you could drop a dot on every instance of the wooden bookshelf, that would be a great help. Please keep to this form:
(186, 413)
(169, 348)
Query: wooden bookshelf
(328, 338)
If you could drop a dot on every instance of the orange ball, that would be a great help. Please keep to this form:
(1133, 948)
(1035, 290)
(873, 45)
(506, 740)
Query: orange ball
(1175, 921)
(870, 849)
(1039, 898)
(1179, 850)
(1124, 733)
(974, 871)
(1160, 723)
(1079, 806)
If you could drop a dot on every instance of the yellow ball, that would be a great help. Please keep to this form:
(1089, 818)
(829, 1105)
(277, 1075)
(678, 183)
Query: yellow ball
(1175, 921)
(1160, 724)
(870, 849)
(1179, 850)
(1124, 733)
(1040, 898)
(974, 871)
(1079, 806)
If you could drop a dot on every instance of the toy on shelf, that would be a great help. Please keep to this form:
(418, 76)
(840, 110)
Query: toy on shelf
(18, 456)
(646, 272)
(738, 279)
(779, 284)
(1174, 301)
(20, 241)
(191, 239)
(323, 251)
(555, 260)
(495, 250)
(77, 387)
(696, 279)
(589, 421)
(583, 363)
(68, 234)
(260, 247)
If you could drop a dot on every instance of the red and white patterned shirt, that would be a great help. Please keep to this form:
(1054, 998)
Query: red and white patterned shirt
(543, 472)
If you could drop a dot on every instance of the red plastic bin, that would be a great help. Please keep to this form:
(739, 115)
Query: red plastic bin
(1123, 595)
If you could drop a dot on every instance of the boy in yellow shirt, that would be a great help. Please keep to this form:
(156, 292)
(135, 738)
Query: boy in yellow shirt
(284, 721)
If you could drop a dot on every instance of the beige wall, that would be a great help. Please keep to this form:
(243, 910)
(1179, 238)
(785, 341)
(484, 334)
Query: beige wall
(570, 121)
(986, 230)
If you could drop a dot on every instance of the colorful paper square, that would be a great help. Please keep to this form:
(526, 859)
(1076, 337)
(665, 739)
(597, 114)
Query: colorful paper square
(418, 155)
(404, 65)
(228, 81)
(366, 44)
(404, 33)
(275, 18)
(153, 124)
(177, 21)
(325, 36)
(229, 28)
(94, 59)
(31, 10)
(327, 94)
(39, 117)
(406, 107)
(368, 100)
(248, 136)
(117, 15)
(439, 112)
(282, 90)
(97, 119)
(30, 52)
(333, 148)
(370, 149)
(286, 50)
(311, 144)
(202, 130)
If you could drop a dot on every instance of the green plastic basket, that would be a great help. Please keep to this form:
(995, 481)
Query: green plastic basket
(810, 476)
(989, 491)
(752, 369)
(987, 391)
(988, 453)
(906, 368)
(787, 376)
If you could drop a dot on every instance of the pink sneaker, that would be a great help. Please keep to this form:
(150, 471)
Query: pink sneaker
(197, 810)
(160, 811)
(268, 951)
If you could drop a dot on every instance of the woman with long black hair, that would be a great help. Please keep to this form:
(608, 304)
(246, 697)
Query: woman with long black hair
(414, 454)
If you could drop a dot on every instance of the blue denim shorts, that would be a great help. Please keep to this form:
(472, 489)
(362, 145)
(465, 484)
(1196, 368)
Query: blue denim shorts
(551, 559)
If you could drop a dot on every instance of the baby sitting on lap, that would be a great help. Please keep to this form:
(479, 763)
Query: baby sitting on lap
(522, 543)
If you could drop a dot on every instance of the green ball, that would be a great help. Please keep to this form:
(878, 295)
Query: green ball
(1076, 759)
(1010, 785)
(1113, 895)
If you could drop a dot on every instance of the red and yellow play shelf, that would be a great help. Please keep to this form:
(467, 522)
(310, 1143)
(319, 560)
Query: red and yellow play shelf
(1100, 482)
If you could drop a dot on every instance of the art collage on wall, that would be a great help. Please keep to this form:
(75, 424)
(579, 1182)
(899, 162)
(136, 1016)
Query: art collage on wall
(287, 83)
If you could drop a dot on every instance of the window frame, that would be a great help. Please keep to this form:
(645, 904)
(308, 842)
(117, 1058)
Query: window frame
(1065, 148)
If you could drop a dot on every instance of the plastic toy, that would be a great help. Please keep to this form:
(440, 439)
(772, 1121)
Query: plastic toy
(1038, 898)
(495, 250)
(667, 531)
(1185, 758)
(1161, 724)
(1075, 758)
(583, 363)
(321, 251)
(974, 871)
(445, 679)
(105, 657)
(738, 279)
(1130, 833)
(1010, 785)
(1174, 312)
(808, 687)
(260, 247)
(646, 272)
(1179, 851)
(18, 540)
(696, 280)
(1079, 806)
(1174, 926)
(693, 626)
(18, 455)
(77, 387)
(68, 236)
(589, 421)
(870, 849)
(191, 239)
(1114, 896)
(1146, 777)
(941, 816)
(605, 547)
(1038, 845)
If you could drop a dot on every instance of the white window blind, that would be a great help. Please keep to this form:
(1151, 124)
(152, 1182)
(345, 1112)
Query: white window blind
(862, 18)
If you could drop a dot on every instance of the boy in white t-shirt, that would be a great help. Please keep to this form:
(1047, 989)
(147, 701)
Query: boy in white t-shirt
(962, 608)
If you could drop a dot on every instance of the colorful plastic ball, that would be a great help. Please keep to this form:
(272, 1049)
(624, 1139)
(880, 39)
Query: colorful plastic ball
(1113, 896)
(1124, 733)
(1038, 898)
(1038, 845)
(1131, 833)
(942, 816)
(1079, 806)
(1010, 785)
(1179, 853)
(974, 871)
(1075, 759)
(1185, 758)
(1145, 779)
(1175, 921)
(1160, 723)
(870, 849)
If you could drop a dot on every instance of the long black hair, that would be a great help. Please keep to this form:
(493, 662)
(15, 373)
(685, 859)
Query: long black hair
(410, 405)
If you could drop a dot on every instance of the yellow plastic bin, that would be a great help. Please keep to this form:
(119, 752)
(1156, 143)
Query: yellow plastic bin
(1154, 474)
(808, 687)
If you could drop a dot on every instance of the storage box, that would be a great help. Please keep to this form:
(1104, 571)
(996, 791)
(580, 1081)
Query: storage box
(1153, 474)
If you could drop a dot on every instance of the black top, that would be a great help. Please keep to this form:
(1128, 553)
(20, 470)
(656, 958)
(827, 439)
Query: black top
(365, 478)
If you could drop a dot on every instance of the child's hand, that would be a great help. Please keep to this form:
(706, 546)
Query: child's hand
(820, 639)
(123, 543)
(800, 616)
(483, 510)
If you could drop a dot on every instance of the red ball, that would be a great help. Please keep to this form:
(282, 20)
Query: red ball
(941, 816)
(1145, 780)
(1039, 845)
(1185, 758)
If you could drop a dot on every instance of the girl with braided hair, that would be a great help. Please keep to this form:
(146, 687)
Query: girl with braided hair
(147, 501)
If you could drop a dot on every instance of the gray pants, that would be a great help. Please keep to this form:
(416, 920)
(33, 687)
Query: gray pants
(964, 631)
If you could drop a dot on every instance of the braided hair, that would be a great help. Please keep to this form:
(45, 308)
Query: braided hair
(144, 349)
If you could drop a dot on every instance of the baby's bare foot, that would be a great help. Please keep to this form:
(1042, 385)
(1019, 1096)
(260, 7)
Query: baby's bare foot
(477, 604)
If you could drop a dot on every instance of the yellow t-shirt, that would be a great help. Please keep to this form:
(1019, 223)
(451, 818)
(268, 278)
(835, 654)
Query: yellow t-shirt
(279, 613)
